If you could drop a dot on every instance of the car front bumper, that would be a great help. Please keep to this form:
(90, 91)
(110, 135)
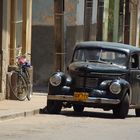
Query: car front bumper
(69, 98)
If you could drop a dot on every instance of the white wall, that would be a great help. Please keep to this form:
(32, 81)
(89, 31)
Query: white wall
(94, 11)
(80, 13)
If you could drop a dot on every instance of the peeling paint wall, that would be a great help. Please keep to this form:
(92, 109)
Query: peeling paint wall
(43, 36)
(80, 12)
(70, 12)
(43, 12)
(42, 41)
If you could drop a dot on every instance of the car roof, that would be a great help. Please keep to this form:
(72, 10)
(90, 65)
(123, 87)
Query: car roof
(109, 45)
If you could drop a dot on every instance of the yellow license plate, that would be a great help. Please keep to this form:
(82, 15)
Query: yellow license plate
(80, 96)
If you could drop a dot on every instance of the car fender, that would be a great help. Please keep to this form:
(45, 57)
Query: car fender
(126, 88)
(64, 86)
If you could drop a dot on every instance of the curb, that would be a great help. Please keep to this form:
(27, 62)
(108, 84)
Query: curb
(20, 114)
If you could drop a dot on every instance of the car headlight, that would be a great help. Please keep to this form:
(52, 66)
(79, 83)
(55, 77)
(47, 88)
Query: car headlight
(55, 80)
(115, 88)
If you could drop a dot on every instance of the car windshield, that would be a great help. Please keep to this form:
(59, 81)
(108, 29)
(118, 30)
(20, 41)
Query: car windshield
(100, 55)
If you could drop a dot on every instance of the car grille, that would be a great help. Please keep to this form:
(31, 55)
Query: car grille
(91, 82)
(87, 82)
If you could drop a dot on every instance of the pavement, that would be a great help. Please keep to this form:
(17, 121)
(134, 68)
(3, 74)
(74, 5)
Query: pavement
(11, 109)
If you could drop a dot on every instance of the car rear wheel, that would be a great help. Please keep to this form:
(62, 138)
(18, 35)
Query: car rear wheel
(137, 111)
(78, 108)
(54, 107)
(122, 109)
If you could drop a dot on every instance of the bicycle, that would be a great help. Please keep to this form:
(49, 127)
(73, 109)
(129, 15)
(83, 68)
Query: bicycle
(20, 81)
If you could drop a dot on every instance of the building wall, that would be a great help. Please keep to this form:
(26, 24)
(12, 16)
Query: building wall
(7, 37)
(42, 55)
(73, 25)
(43, 49)
(42, 12)
(5, 44)
(42, 41)
(138, 26)
(94, 20)
(1, 13)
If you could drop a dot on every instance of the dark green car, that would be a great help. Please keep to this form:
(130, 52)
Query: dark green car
(101, 75)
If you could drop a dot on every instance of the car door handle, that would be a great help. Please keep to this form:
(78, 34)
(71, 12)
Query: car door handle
(138, 77)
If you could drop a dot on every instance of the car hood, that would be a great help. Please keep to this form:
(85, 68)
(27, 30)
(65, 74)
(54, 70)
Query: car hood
(96, 67)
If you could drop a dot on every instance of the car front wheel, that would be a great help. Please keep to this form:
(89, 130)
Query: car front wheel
(137, 111)
(121, 110)
(54, 107)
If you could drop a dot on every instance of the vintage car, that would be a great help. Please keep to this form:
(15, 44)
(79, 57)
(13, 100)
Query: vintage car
(101, 75)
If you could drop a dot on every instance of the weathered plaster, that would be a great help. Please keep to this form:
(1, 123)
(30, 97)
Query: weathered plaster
(43, 12)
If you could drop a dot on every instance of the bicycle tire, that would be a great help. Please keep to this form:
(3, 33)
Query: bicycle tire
(29, 95)
(27, 78)
(18, 85)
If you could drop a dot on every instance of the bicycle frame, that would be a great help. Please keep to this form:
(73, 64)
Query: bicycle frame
(23, 66)
(23, 84)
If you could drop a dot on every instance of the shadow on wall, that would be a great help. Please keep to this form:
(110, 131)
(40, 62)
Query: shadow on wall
(43, 51)
(42, 56)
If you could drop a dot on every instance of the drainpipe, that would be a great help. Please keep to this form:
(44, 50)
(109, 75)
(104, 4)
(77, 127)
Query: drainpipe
(127, 23)
(87, 19)
(59, 34)
(116, 20)
(100, 10)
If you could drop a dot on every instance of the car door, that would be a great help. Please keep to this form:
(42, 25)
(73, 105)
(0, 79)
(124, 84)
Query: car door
(135, 78)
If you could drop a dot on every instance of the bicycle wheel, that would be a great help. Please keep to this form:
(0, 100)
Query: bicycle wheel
(27, 78)
(18, 85)
(29, 95)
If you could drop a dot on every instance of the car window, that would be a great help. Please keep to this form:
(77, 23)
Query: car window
(134, 61)
(110, 56)
(86, 54)
(118, 58)
(79, 55)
